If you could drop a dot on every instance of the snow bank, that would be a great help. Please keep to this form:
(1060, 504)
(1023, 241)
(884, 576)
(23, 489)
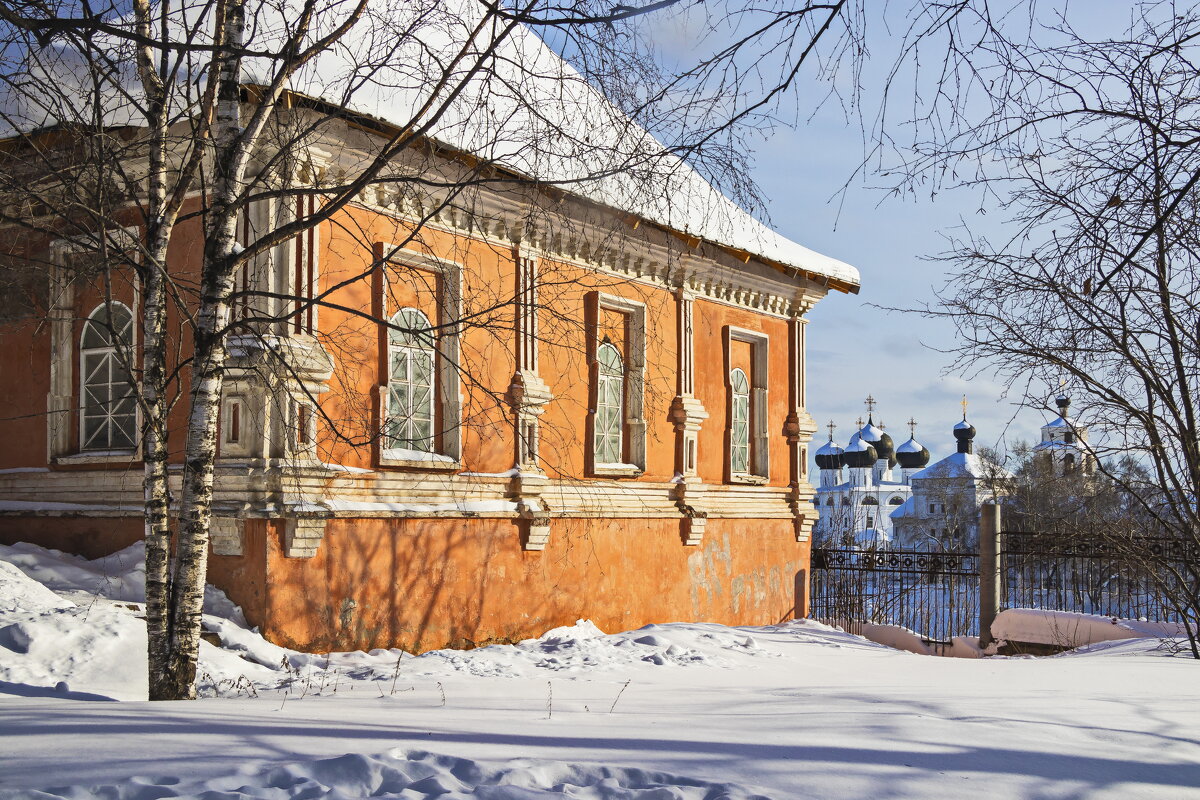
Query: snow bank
(896, 637)
(414, 775)
(69, 625)
(76, 624)
(19, 593)
(1070, 630)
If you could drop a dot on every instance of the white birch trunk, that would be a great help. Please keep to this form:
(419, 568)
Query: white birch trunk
(212, 318)
(153, 389)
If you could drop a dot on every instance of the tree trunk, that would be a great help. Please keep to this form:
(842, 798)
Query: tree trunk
(208, 368)
(155, 487)
(152, 270)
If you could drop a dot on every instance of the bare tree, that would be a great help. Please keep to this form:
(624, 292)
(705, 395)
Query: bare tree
(1093, 148)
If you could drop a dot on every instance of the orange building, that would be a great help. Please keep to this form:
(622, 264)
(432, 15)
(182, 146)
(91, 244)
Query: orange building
(448, 422)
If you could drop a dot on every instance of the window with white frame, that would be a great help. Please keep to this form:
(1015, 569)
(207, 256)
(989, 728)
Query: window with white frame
(616, 420)
(747, 422)
(107, 400)
(739, 428)
(608, 444)
(409, 423)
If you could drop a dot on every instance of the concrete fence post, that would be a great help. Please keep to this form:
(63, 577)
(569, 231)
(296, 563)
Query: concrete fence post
(989, 570)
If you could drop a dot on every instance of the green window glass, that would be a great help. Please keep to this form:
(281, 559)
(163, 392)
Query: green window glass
(409, 421)
(739, 431)
(108, 403)
(610, 406)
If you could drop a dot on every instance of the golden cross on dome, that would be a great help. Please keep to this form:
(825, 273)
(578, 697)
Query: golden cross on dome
(859, 422)
(870, 403)
(832, 428)
(964, 405)
(912, 428)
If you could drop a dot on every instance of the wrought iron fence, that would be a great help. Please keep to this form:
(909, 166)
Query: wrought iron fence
(933, 593)
(1095, 576)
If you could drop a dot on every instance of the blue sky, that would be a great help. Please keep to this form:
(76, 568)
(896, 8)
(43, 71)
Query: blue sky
(854, 348)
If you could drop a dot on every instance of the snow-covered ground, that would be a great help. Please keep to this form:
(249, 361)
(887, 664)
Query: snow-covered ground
(670, 712)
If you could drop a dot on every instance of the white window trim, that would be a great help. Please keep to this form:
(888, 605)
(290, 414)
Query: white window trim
(635, 389)
(447, 386)
(61, 406)
(760, 471)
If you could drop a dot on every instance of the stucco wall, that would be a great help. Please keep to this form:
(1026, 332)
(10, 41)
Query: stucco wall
(422, 584)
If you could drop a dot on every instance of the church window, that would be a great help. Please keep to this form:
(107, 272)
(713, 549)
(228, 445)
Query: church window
(1069, 463)
(896, 501)
(870, 521)
(845, 502)
(409, 422)
(108, 404)
(739, 429)
(609, 425)
(870, 501)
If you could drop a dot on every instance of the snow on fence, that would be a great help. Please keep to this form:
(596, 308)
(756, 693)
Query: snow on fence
(936, 593)
(1092, 576)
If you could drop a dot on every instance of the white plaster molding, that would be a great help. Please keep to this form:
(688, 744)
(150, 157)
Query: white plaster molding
(302, 536)
(225, 536)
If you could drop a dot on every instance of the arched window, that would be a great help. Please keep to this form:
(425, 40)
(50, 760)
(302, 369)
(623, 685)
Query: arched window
(829, 502)
(108, 404)
(409, 422)
(609, 440)
(896, 501)
(1069, 463)
(870, 501)
(739, 423)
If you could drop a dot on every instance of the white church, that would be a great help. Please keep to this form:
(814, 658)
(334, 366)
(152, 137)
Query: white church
(863, 500)
(859, 486)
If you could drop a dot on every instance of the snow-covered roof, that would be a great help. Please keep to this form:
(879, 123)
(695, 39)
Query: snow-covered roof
(962, 426)
(830, 448)
(857, 444)
(906, 508)
(911, 446)
(1055, 445)
(527, 111)
(961, 465)
(871, 432)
